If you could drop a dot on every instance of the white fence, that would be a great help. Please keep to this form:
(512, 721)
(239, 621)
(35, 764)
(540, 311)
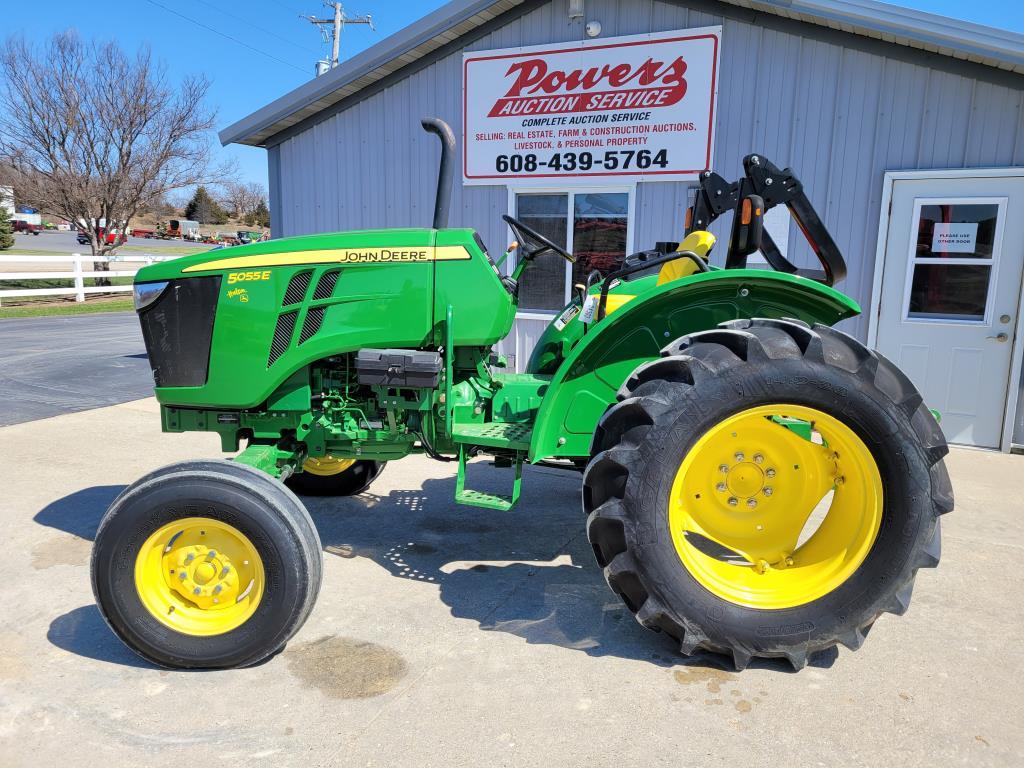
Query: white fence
(77, 273)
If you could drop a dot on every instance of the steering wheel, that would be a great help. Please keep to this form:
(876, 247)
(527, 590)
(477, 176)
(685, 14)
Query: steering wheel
(534, 242)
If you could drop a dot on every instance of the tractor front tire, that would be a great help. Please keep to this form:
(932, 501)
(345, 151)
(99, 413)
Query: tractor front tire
(206, 565)
(335, 477)
(766, 489)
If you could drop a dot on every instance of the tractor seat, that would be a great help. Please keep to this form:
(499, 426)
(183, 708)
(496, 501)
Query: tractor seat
(699, 242)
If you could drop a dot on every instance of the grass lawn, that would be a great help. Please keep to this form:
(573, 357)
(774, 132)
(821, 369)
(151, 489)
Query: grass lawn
(35, 252)
(42, 309)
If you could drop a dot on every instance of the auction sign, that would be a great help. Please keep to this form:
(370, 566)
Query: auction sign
(640, 107)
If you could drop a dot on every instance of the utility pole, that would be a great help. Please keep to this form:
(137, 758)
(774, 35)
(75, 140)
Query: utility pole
(337, 25)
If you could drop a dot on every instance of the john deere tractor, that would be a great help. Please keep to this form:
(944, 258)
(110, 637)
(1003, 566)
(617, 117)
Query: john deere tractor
(755, 482)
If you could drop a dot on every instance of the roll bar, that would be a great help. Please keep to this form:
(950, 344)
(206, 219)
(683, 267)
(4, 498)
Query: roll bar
(761, 177)
(446, 171)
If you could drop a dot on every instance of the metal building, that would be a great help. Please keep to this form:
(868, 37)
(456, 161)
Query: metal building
(907, 130)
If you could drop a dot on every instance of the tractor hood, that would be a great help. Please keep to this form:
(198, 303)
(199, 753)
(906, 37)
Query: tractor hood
(227, 327)
(329, 248)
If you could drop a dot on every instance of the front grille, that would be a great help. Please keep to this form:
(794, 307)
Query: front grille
(282, 336)
(296, 288)
(178, 329)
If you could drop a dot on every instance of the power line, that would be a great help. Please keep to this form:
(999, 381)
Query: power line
(222, 34)
(257, 26)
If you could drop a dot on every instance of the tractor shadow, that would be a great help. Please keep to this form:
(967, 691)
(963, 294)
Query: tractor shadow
(79, 513)
(529, 572)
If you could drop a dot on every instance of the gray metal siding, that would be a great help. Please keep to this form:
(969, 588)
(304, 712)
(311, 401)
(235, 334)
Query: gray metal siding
(839, 116)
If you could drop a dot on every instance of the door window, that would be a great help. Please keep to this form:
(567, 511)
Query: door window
(596, 232)
(953, 259)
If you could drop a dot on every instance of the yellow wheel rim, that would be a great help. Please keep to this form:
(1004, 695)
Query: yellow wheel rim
(199, 576)
(743, 496)
(326, 465)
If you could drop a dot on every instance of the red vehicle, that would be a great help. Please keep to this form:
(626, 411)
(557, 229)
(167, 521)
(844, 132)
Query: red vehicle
(106, 238)
(26, 227)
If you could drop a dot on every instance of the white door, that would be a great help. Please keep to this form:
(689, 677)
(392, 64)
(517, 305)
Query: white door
(951, 284)
(593, 225)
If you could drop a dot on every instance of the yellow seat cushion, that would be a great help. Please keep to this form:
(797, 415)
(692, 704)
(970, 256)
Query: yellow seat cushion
(700, 243)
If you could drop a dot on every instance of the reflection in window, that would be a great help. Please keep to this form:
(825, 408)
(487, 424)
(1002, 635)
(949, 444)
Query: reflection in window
(599, 233)
(957, 230)
(950, 291)
(542, 287)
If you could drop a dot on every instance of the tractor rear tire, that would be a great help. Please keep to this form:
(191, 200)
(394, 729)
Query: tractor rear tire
(685, 521)
(351, 481)
(206, 565)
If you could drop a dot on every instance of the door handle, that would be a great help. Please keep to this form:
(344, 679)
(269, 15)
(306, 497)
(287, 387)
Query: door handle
(1000, 337)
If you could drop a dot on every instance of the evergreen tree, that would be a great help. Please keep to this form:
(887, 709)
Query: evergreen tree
(204, 209)
(6, 230)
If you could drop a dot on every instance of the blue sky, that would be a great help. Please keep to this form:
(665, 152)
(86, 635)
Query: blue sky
(273, 50)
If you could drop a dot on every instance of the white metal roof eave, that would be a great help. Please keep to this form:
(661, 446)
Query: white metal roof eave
(952, 37)
(903, 26)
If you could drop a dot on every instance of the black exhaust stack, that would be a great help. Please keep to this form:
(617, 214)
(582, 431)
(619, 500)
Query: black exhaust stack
(443, 201)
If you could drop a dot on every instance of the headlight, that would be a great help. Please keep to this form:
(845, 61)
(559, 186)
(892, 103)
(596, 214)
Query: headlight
(146, 293)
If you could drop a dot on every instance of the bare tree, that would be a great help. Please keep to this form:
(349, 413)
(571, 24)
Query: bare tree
(244, 199)
(92, 134)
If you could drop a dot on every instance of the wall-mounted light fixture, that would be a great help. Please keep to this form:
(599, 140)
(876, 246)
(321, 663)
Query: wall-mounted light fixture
(593, 28)
(575, 10)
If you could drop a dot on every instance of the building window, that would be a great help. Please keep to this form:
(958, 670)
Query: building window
(593, 226)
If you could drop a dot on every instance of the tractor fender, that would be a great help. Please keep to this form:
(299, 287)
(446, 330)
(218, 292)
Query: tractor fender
(586, 382)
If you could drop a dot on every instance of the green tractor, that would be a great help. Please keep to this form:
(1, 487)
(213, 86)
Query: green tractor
(755, 482)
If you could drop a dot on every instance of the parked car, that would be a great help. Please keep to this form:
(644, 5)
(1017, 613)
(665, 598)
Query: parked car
(26, 227)
(108, 238)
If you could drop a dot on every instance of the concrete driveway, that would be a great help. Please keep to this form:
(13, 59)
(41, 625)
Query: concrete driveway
(448, 636)
(54, 365)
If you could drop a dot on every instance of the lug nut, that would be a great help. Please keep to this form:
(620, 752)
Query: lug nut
(758, 458)
(739, 456)
(217, 589)
(197, 591)
(211, 554)
(768, 491)
(720, 487)
(733, 501)
(225, 572)
(751, 503)
(723, 468)
(182, 575)
(769, 473)
(789, 561)
(189, 557)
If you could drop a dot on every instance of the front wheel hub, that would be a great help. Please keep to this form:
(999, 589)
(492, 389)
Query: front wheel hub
(199, 576)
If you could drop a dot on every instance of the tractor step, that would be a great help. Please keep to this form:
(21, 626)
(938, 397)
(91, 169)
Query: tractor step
(494, 434)
(497, 501)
